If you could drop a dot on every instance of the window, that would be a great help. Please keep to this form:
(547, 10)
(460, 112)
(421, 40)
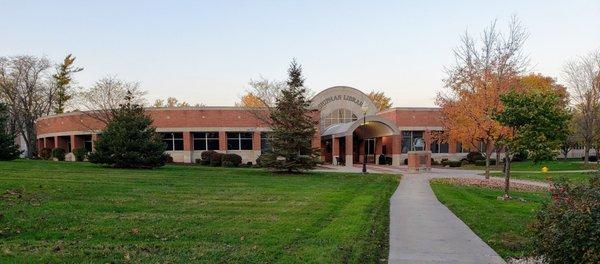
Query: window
(239, 140)
(412, 140)
(87, 143)
(206, 140)
(338, 116)
(370, 146)
(437, 147)
(460, 149)
(173, 141)
(437, 144)
(265, 146)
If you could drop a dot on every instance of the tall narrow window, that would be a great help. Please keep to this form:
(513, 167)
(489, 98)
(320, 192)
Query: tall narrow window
(370, 145)
(239, 140)
(206, 140)
(173, 141)
(265, 146)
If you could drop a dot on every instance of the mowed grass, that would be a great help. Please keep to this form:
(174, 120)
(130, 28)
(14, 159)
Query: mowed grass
(79, 212)
(504, 225)
(555, 165)
(575, 177)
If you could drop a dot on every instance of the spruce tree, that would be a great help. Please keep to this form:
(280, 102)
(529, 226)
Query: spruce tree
(129, 140)
(8, 149)
(293, 127)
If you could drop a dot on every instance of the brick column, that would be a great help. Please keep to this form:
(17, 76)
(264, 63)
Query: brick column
(378, 148)
(56, 144)
(74, 143)
(427, 139)
(94, 139)
(45, 144)
(256, 147)
(349, 152)
(335, 149)
(222, 141)
(188, 147)
(396, 149)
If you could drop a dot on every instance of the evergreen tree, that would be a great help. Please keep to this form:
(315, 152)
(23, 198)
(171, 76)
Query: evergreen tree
(129, 140)
(8, 149)
(293, 127)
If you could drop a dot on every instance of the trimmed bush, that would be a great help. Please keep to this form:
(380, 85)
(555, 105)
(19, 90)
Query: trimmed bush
(234, 159)
(215, 159)
(80, 154)
(169, 159)
(228, 164)
(567, 228)
(205, 155)
(454, 163)
(46, 153)
(58, 154)
(260, 161)
(592, 158)
(474, 156)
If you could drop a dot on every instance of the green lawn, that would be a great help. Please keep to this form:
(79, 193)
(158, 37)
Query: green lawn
(556, 165)
(576, 177)
(501, 224)
(79, 212)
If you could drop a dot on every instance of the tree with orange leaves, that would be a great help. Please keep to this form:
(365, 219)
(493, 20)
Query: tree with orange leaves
(251, 100)
(482, 73)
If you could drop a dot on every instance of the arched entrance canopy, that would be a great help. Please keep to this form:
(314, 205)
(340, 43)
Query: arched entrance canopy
(375, 127)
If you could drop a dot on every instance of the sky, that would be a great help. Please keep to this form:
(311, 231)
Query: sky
(207, 51)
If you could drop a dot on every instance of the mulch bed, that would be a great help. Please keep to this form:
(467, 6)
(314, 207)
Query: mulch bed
(490, 183)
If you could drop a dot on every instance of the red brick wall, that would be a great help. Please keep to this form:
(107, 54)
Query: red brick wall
(163, 118)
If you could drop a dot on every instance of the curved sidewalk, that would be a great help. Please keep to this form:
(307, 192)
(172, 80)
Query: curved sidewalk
(423, 230)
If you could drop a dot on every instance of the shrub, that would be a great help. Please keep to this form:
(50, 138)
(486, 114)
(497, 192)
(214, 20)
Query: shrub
(58, 154)
(169, 159)
(454, 163)
(228, 164)
(567, 228)
(80, 154)
(46, 153)
(405, 161)
(592, 158)
(234, 159)
(205, 155)
(215, 159)
(260, 160)
(521, 156)
(8, 149)
(474, 156)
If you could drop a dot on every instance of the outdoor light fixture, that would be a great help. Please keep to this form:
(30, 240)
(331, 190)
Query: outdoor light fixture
(364, 110)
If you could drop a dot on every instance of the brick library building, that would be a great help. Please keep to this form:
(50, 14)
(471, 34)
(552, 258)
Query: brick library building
(350, 130)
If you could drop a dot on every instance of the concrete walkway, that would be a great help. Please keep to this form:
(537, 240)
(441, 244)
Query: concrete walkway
(422, 230)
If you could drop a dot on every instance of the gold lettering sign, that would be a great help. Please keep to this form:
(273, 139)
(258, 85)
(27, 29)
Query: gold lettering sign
(338, 98)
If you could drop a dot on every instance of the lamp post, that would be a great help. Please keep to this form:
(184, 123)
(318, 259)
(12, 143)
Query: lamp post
(364, 109)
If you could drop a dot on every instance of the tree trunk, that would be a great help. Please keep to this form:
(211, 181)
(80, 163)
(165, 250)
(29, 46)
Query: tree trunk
(506, 177)
(487, 167)
(497, 157)
(586, 154)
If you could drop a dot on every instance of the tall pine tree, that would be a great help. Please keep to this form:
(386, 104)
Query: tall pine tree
(293, 127)
(129, 140)
(8, 149)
